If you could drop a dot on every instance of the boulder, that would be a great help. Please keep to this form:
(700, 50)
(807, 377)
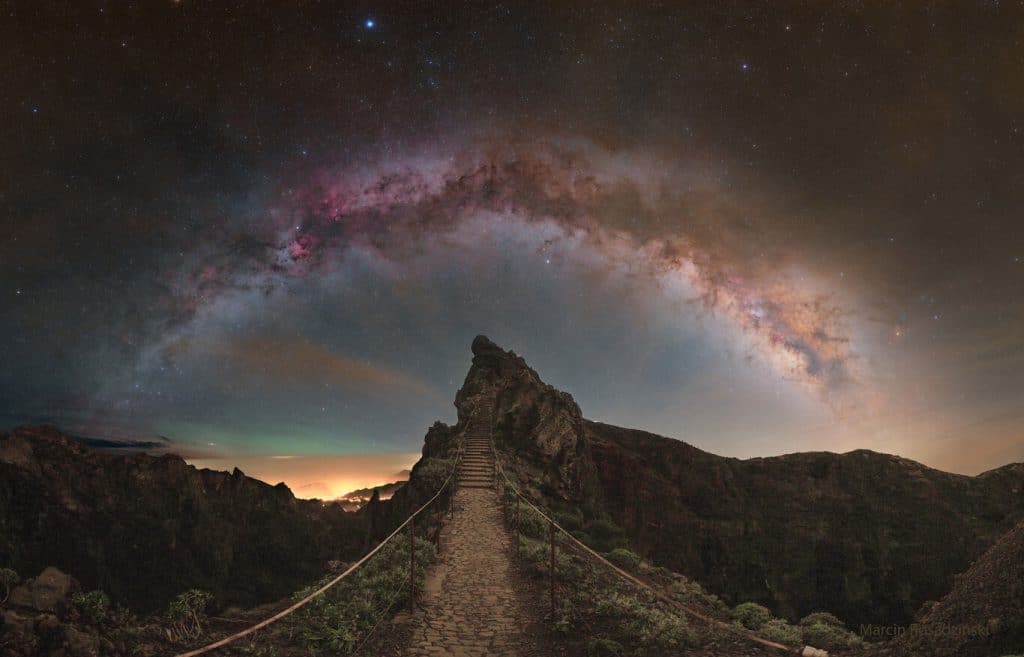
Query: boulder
(49, 592)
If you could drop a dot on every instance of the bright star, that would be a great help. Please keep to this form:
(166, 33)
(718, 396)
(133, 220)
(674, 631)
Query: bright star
(370, 23)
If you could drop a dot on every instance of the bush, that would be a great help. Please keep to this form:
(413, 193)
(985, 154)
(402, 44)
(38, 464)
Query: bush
(624, 559)
(830, 637)
(569, 521)
(646, 627)
(820, 618)
(751, 615)
(187, 614)
(335, 622)
(190, 604)
(606, 535)
(93, 606)
(532, 525)
(431, 473)
(780, 631)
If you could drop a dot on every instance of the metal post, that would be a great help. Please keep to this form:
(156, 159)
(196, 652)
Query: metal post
(551, 533)
(412, 564)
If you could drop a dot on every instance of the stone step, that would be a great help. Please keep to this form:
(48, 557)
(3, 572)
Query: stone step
(476, 483)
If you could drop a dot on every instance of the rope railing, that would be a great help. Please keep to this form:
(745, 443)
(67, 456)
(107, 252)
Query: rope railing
(382, 614)
(806, 651)
(449, 481)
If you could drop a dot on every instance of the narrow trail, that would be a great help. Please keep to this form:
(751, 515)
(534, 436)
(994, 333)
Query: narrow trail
(474, 604)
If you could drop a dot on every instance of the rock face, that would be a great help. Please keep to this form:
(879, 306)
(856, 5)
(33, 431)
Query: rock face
(867, 536)
(146, 528)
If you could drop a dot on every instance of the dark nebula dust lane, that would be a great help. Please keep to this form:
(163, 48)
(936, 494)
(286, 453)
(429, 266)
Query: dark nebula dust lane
(271, 230)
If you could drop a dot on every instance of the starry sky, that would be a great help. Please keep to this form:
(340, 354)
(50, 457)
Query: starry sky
(267, 232)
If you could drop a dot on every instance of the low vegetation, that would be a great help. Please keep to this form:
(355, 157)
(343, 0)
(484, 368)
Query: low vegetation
(93, 607)
(338, 621)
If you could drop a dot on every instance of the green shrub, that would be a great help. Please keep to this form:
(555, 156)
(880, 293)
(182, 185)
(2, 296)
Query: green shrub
(569, 521)
(624, 559)
(431, 473)
(93, 606)
(751, 615)
(600, 647)
(606, 535)
(642, 625)
(337, 621)
(820, 618)
(780, 631)
(830, 637)
(532, 525)
(187, 615)
(190, 604)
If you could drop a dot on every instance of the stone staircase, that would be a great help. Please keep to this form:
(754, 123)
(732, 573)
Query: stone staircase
(477, 467)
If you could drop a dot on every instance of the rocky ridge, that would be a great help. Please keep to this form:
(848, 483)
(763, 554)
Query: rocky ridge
(143, 529)
(865, 535)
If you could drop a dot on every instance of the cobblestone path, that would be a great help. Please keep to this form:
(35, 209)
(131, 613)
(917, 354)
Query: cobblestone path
(471, 605)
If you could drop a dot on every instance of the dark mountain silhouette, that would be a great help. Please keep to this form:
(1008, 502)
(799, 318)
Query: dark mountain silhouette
(146, 528)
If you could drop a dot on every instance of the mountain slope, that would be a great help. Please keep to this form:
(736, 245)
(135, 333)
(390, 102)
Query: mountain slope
(145, 528)
(867, 536)
(984, 613)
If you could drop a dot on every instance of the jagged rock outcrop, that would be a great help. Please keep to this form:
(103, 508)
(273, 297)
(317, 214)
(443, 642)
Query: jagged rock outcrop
(865, 535)
(146, 528)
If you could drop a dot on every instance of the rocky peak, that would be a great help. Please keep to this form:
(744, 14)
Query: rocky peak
(541, 423)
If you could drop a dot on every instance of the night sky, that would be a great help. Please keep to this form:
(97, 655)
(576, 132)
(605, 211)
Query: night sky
(272, 229)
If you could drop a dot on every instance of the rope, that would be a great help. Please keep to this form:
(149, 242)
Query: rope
(304, 601)
(638, 582)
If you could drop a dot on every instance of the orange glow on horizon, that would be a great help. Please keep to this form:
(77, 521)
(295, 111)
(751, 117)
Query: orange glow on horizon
(323, 476)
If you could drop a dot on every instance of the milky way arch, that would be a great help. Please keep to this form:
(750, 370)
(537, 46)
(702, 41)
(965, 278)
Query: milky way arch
(655, 217)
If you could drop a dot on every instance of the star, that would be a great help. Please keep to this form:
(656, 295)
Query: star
(370, 23)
